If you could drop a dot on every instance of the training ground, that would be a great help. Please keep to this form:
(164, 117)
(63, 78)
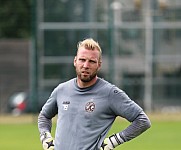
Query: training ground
(21, 133)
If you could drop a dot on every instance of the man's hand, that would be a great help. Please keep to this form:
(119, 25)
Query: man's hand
(106, 145)
(47, 141)
(111, 142)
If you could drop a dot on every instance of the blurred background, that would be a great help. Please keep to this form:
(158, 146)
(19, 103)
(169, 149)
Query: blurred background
(140, 39)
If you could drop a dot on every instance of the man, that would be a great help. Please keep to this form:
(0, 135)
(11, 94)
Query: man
(87, 107)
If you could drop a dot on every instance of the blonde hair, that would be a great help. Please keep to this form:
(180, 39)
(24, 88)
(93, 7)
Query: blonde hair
(90, 44)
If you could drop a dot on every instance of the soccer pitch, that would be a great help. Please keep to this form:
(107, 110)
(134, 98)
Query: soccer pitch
(21, 133)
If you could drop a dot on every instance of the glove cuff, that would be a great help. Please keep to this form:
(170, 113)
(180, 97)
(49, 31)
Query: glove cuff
(45, 135)
(116, 140)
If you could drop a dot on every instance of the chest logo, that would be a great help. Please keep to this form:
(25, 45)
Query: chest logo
(90, 106)
(65, 105)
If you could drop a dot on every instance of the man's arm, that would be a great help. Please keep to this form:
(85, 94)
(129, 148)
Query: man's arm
(44, 123)
(49, 110)
(140, 124)
(44, 126)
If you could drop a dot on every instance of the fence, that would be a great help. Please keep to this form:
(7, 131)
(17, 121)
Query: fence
(140, 40)
(14, 69)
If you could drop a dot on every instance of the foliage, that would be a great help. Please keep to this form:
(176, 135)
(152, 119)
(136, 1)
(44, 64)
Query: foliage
(15, 16)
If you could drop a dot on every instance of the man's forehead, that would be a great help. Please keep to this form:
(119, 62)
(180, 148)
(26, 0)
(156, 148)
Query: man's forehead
(83, 51)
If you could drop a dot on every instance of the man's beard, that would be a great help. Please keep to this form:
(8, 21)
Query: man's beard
(87, 78)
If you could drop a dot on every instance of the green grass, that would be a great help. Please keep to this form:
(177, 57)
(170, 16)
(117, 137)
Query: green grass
(19, 137)
(163, 135)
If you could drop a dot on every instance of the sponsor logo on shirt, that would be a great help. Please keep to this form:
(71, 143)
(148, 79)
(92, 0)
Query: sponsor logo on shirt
(66, 105)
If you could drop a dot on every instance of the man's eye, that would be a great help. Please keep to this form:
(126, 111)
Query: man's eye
(82, 60)
(92, 61)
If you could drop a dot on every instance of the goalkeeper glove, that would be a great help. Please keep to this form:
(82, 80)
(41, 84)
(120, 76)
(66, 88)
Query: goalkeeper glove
(111, 142)
(47, 141)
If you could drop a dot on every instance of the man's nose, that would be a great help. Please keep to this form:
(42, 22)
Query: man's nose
(86, 64)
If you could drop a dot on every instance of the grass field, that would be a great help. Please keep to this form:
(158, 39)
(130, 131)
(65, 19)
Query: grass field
(21, 133)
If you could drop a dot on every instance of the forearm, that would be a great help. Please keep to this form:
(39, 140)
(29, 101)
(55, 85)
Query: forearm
(44, 123)
(138, 126)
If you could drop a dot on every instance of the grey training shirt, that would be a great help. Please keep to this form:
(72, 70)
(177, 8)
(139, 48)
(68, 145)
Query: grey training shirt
(85, 115)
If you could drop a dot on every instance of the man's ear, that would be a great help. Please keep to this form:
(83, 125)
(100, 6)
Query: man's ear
(100, 64)
(75, 60)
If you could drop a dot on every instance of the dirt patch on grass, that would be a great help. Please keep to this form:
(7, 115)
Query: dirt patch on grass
(165, 116)
(21, 119)
(10, 119)
(33, 118)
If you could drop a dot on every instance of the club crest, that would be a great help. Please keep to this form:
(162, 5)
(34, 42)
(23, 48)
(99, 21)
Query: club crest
(89, 107)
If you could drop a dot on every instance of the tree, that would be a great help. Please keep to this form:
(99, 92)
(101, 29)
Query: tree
(15, 16)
